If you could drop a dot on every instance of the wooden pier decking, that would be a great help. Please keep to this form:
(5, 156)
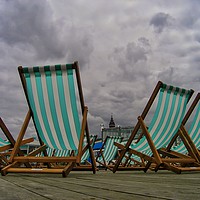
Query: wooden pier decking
(102, 185)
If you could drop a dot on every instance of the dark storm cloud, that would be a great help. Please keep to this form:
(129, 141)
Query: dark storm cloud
(132, 60)
(31, 23)
(160, 21)
(80, 46)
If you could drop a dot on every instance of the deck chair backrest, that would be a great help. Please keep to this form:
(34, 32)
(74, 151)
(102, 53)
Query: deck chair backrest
(51, 95)
(167, 118)
(194, 130)
(110, 150)
(86, 154)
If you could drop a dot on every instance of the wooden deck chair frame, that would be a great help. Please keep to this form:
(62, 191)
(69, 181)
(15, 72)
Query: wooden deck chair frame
(71, 161)
(107, 164)
(9, 147)
(185, 137)
(156, 158)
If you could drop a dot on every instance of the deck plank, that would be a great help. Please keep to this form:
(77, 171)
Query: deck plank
(103, 185)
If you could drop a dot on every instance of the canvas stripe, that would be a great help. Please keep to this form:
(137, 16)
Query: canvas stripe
(143, 145)
(74, 105)
(38, 113)
(58, 115)
(168, 120)
(73, 137)
(166, 117)
(32, 104)
(159, 126)
(175, 117)
(161, 110)
(51, 135)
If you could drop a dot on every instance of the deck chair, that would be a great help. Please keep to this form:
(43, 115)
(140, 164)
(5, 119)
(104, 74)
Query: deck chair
(192, 135)
(7, 146)
(108, 152)
(165, 123)
(55, 99)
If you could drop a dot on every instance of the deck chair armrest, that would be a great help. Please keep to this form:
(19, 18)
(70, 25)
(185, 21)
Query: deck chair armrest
(37, 151)
(120, 146)
(142, 133)
(20, 136)
(25, 141)
(10, 146)
(6, 147)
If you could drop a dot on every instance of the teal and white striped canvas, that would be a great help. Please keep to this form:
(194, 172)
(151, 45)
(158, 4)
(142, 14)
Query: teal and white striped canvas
(110, 150)
(3, 142)
(49, 152)
(194, 133)
(86, 155)
(167, 118)
(52, 98)
(62, 153)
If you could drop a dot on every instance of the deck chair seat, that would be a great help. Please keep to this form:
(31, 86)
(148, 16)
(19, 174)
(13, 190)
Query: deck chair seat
(166, 121)
(56, 105)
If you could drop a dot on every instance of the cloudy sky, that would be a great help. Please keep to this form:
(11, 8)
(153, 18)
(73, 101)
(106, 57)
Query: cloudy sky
(123, 47)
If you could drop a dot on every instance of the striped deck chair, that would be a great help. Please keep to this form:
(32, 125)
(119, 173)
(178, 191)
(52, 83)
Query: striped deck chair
(108, 152)
(7, 146)
(192, 135)
(165, 123)
(55, 99)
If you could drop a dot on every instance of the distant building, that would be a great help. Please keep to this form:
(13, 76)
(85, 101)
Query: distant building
(125, 132)
(112, 123)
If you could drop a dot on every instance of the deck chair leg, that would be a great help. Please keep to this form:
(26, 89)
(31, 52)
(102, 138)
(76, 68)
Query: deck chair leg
(172, 168)
(4, 170)
(67, 169)
(93, 162)
(191, 147)
(147, 166)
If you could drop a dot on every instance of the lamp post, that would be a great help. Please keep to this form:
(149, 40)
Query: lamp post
(102, 127)
(119, 130)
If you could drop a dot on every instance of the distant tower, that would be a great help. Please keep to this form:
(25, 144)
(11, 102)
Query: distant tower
(112, 123)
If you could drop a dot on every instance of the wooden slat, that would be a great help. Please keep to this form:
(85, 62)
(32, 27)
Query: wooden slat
(44, 159)
(35, 170)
